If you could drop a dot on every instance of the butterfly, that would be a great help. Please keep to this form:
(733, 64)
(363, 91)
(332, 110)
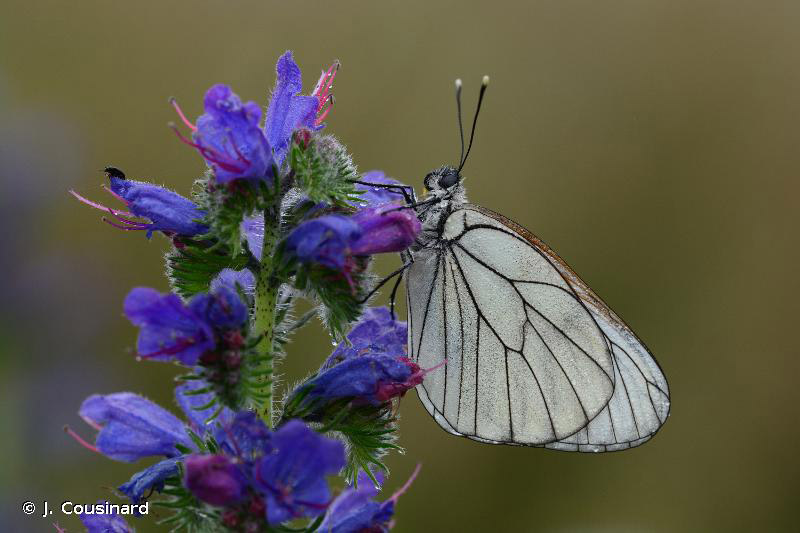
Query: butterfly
(524, 352)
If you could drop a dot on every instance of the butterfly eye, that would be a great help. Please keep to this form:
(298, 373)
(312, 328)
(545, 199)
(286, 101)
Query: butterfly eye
(427, 181)
(448, 180)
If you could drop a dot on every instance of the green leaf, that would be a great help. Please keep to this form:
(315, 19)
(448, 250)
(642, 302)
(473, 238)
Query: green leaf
(192, 265)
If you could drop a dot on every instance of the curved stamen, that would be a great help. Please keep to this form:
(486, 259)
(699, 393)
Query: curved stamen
(80, 440)
(126, 228)
(406, 485)
(101, 207)
(115, 195)
(330, 100)
(178, 109)
(211, 155)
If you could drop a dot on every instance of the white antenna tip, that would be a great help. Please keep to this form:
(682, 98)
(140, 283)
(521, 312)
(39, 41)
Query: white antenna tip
(485, 81)
(458, 83)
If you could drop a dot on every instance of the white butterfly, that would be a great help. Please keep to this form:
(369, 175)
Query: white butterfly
(529, 354)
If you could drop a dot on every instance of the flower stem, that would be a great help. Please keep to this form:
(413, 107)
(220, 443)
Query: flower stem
(266, 298)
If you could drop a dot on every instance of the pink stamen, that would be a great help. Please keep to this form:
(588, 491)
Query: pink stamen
(402, 490)
(126, 228)
(133, 223)
(92, 423)
(178, 109)
(210, 155)
(325, 83)
(322, 92)
(326, 111)
(431, 369)
(80, 440)
(98, 206)
(59, 528)
(115, 195)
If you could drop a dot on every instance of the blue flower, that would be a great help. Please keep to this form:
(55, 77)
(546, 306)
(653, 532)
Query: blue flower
(371, 366)
(132, 427)
(215, 479)
(245, 437)
(288, 110)
(169, 330)
(253, 230)
(167, 211)
(104, 523)
(331, 240)
(230, 278)
(151, 478)
(385, 229)
(229, 137)
(325, 240)
(222, 308)
(353, 511)
(292, 478)
(376, 332)
(377, 196)
(370, 378)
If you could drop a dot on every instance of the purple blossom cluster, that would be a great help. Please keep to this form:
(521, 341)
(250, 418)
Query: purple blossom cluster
(229, 460)
(255, 473)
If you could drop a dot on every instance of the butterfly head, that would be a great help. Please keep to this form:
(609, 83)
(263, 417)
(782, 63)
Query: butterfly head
(442, 180)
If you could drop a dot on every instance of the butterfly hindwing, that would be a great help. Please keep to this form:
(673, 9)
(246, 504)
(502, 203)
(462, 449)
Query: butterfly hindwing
(640, 401)
(524, 359)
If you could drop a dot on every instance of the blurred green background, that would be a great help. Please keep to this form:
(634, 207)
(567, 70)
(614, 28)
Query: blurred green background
(654, 144)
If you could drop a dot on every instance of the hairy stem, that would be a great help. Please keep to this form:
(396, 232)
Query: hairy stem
(266, 298)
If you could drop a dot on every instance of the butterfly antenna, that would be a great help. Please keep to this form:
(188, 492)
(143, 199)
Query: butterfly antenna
(460, 123)
(484, 85)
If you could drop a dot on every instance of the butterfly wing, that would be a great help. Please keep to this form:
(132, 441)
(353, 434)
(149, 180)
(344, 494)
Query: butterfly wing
(531, 355)
(524, 360)
(640, 403)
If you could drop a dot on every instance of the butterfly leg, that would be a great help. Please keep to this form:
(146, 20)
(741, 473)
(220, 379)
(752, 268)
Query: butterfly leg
(384, 280)
(404, 189)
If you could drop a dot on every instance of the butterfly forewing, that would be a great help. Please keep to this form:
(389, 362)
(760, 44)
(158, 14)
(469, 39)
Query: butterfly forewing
(526, 357)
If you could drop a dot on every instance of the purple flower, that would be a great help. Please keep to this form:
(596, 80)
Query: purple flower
(376, 332)
(385, 229)
(289, 110)
(371, 366)
(222, 308)
(253, 230)
(167, 211)
(229, 137)
(230, 278)
(331, 240)
(369, 378)
(377, 196)
(292, 478)
(132, 427)
(325, 240)
(245, 437)
(353, 511)
(105, 523)
(215, 479)
(151, 478)
(169, 330)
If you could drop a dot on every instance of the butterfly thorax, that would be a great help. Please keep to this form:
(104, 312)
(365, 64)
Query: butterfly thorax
(446, 192)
